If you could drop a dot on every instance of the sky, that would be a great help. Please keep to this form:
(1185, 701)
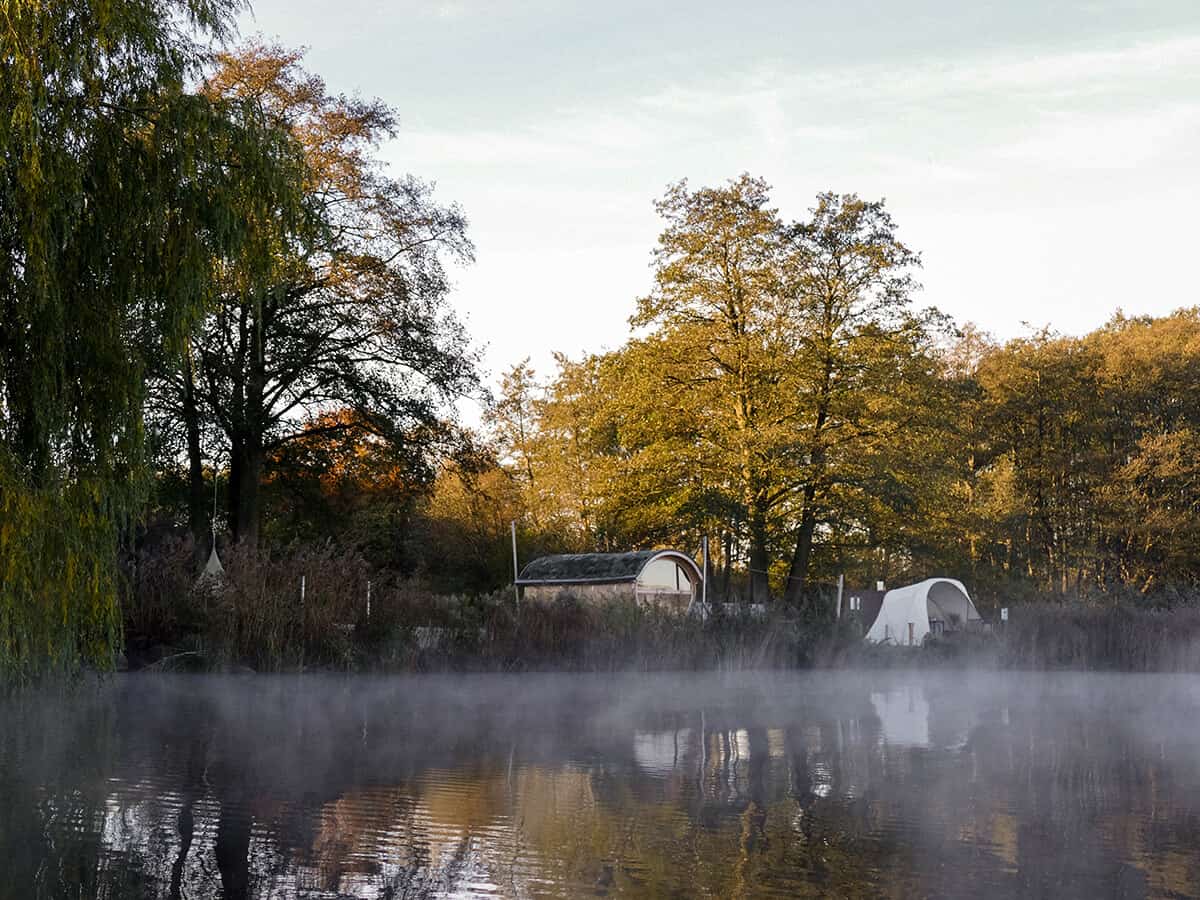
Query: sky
(1041, 155)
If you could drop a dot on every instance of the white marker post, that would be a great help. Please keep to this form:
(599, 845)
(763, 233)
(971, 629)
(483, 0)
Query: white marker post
(516, 570)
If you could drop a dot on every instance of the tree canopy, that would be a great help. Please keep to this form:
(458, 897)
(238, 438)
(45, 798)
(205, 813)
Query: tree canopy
(120, 192)
(780, 394)
(352, 314)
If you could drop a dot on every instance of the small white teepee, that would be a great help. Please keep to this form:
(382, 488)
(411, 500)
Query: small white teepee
(213, 568)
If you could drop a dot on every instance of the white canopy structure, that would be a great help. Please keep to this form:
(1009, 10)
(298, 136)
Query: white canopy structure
(213, 574)
(213, 566)
(909, 613)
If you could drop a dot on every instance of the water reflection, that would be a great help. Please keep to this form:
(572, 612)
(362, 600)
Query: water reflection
(537, 786)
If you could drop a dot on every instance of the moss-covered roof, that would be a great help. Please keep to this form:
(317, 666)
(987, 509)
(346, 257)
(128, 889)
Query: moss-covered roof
(583, 568)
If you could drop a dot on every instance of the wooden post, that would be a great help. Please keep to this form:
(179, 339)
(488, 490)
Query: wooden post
(841, 586)
(516, 569)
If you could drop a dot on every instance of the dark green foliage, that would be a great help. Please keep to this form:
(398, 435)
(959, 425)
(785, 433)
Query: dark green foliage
(120, 193)
(347, 336)
(58, 577)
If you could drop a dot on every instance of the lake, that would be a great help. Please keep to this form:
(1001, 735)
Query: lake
(761, 784)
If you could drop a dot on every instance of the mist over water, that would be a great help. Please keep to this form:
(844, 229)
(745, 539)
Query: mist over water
(977, 784)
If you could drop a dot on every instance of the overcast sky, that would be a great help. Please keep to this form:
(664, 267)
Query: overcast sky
(1042, 155)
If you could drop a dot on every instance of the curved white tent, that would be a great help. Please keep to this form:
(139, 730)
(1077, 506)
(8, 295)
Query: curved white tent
(906, 613)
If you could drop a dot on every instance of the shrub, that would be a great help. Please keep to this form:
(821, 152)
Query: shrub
(157, 609)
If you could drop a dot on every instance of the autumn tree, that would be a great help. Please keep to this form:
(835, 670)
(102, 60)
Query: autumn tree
(1149, 510)
(1045, 415)
(718, 305)
(461, 538)
(354, 314)
(1046, 464)
(790, 349)
(513, 422)
(859, 357)
(340, 480)
(1079, 474)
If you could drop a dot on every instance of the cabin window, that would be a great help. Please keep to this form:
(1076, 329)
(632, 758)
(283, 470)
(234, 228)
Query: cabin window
(665, 574)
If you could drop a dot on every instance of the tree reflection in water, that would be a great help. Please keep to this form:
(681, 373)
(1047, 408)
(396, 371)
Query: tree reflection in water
(763, 784)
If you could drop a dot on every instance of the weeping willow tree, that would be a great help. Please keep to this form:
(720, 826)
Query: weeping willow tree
(124, 193)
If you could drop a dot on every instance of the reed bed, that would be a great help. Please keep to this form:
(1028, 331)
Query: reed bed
(258, 617)
(287, 610)
(255, 618)
(1119, 637)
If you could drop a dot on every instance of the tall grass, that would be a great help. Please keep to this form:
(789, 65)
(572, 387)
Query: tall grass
(1121, 637)
(255, 618)
(411, 629)
(576, 635)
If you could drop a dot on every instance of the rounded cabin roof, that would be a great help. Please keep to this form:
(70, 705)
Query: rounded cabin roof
(598, 568)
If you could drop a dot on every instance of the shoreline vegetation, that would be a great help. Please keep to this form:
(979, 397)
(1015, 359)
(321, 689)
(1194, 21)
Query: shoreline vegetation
(258, 348)
(252, 620)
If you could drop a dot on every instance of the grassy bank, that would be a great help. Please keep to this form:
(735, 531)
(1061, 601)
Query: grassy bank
(258, 617)
(255, 618)
(1121, 637)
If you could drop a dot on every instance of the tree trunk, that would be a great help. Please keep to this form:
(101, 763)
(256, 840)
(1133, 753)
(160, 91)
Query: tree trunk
(197, 495)
(760, 587)
(727, 564)
(798, 570)
(248, 453)
(248, 467)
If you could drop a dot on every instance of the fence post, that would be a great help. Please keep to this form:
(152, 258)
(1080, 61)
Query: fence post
(368, 601)
(516, 570)
(302, 590)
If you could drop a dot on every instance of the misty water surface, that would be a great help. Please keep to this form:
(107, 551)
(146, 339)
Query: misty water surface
(756, 784)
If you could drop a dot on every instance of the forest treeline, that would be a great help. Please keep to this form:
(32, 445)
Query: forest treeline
(222, 315)
(203, 263)
(1042, 465)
